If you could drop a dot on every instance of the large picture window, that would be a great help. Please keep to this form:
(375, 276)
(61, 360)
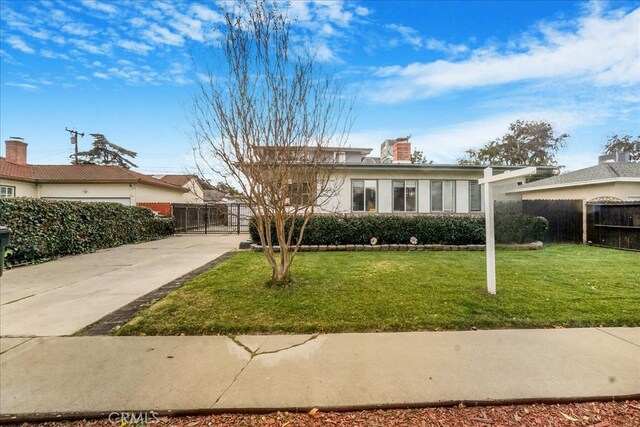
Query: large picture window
(404, 196)
(7, 191)
(475, 196)
(364, 195)
(443, 196)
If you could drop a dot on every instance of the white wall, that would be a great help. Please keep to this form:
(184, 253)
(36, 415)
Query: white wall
(195, 194)
(384, 177)
(128, 194)
(121, 193)
(148, 193)
(22, 189)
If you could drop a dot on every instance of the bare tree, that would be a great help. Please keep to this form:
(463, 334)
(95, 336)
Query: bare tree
(272, 123)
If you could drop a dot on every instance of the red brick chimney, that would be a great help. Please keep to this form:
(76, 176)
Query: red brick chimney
(16, 151)
(402, 151)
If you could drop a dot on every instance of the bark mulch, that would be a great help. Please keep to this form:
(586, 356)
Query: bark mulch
(593, 414)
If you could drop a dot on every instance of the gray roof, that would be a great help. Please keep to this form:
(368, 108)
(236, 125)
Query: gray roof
(605, 171)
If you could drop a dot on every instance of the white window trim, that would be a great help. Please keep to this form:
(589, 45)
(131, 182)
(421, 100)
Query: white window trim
(365, 195)
(393, 200)
(8, 187)
(454, 195)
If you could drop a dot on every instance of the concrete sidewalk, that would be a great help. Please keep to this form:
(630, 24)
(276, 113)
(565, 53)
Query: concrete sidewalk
(91, 375)
(61, 297)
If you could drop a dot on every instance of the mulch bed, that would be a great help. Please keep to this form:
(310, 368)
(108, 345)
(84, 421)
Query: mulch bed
(594, 414)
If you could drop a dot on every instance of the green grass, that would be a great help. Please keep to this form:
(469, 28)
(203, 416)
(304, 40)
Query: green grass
(561, 285)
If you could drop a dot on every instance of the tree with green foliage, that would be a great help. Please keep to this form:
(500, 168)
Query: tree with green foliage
(418, 158)
(104, 152)
(624, 144)
(528, 143)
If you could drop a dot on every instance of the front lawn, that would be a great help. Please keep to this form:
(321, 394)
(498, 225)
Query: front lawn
(561, 285)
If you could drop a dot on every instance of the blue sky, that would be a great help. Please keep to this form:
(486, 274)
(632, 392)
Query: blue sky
(451, 74)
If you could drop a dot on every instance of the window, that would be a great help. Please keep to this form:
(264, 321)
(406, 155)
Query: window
(404, 196)
(443, 196)
(300, 194)
(6, 191)
(364, 195)
(475, 196)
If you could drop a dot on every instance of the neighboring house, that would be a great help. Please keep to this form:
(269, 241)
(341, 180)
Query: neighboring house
(87, 183)
(190, 182)
(616, 180)
(391, 184)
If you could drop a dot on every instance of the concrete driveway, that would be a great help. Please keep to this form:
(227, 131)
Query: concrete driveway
(61, 297)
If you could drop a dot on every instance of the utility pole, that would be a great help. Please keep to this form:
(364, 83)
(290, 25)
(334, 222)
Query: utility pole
(74, 141)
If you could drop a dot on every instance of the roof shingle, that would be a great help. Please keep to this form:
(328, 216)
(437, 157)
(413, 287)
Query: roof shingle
(79, 174)
(593, 173)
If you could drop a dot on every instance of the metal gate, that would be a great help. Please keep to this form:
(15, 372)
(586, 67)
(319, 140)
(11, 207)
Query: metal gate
(211, 219)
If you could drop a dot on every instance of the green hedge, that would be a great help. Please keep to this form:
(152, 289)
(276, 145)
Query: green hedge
(43, 229)
(398, 229)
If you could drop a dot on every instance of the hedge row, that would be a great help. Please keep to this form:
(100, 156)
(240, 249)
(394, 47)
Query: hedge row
(43, 229)
(446, 230)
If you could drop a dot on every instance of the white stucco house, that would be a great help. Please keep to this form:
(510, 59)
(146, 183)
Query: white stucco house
(196, 192)
(391, 184)
(86, 183)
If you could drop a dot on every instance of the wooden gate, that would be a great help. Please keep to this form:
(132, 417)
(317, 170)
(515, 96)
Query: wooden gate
(614, 225)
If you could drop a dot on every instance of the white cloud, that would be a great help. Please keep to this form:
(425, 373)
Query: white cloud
(206, 14)
(19, 44)
(100, 6)
(602, 49)
(334, 12)
(78, 29)
(138, 22)
(25, 86)
(90, 47)
(412, 37)
(189, 27)
(99, 75)
(162, 35)
(136, 47)
(362, 11)
(53, 55)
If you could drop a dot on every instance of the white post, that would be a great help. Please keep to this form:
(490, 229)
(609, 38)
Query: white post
(488, 181)
(490, 234)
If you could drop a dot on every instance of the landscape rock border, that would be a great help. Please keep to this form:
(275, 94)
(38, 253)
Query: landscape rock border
(396, 247)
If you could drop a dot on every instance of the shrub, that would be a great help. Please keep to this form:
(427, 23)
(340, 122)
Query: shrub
(43, 229)
(512, 226)
(398, 229)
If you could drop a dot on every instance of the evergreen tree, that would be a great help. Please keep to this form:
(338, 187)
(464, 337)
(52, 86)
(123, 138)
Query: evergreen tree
(526, 144)
(104, 152)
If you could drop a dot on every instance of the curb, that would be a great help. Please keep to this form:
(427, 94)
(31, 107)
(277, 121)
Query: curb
(77, 416)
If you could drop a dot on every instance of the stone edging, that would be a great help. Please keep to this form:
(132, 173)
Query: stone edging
(341, 248)
(126, 313)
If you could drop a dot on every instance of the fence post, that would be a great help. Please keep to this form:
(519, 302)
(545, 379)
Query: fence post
(206, 218)
(238, 217)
